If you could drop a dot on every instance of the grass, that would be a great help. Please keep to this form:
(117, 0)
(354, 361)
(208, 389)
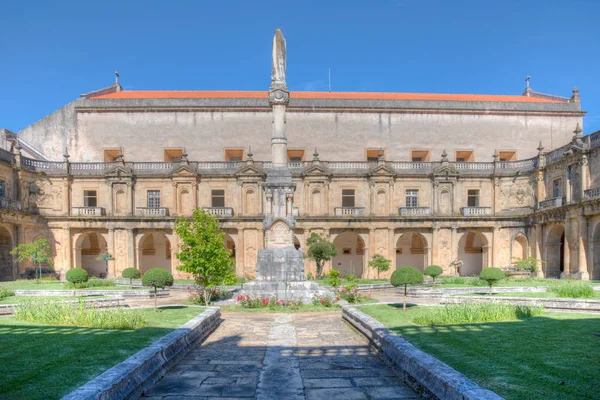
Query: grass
(302, 308)
(541, 295)
(25, 284)
(344, 282)
(23, 299)
(475, 313)
(552, 356)
(47, 362)
(463, 281)
(578, 290)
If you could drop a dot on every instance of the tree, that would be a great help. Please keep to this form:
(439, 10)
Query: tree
(38, 251)
(320, 250)
(203, 253)
(380, 264)
(75, 276)
(491, 275)
(157, 278)
(406, 276)
(433, 271)
(106, 257)
(131, 274)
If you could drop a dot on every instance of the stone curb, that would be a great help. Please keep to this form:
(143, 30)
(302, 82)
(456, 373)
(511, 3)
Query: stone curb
(69, 292)
(117, 301)
(138, 373)
(422, 371)
(441, 291)
(548, 303)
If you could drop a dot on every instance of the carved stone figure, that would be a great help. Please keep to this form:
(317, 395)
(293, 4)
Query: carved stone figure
(278, 62)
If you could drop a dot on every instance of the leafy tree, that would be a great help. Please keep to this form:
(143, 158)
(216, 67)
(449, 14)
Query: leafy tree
(320, 250)
(38, 251)
(157, 278)
(131, 274)
(203, 253)
(380, 264)
(406, 276)
(334, 278)
(75, 276)
(530, 264)
(106, 257)
(491, 275)
(433, 271)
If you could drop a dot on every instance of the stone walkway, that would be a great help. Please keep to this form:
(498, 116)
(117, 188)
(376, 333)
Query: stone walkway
(282, 356)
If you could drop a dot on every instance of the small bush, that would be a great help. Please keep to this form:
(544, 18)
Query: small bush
(352, 278)
(572, 290)
(334, 277)
(475, 313)
(405, 276)
(492, 275)
(350, 293)
(433, 271)
(270, 302)
(131, 274)
(33, 272)
(196, 297)
(78, 314)
(309, 276)
(157, 278)
(77, 275)
(5, 292)
(91, 283)
(324, 300)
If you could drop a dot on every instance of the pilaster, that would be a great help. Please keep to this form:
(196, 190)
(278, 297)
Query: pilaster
(582, 244)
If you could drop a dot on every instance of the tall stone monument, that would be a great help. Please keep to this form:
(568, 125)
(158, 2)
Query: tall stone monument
(280, 266)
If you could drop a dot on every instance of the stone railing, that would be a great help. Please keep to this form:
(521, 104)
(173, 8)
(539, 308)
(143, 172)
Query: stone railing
(88, 211)
(90, 166)
(530, 163)
(152, 166)
(411, 165)
(6, 155)
(152, 211)
(592, 193)
(349, 164)
(553, 202)
(357, 211)
(594, 140)
(8, 204)
(414, 211)
(44, 166)
(476, 166)
(556, 154)
(220, 211)
(232, 165)
(476, 211)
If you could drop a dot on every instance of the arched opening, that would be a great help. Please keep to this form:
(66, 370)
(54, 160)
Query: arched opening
(316, 206)
(555, 251)
(350, 254)
(473, 251)
(296, 243)
(250, 203)
(380, 202)
(519, 249)
(184, 203)
(120, 202)
(411, 251)
(595, 273)
(155, 252)
(6, 260)
(229, 245)
(90, 246)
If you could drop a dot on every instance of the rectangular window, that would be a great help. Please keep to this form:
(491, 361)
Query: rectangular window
(473, 198)
(234, 155)
(465, 156)
(110, 155)
(90, 198)
(218, 198)
(173, 155)
(419, 156)
(556, 188)
(507, 155)
(373, 154)
(153, 198)
(2, 192)
(347, 197)
(412, 198)
(295, 155)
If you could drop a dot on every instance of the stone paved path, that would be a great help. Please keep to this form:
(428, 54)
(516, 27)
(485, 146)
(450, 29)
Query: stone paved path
(282, 356)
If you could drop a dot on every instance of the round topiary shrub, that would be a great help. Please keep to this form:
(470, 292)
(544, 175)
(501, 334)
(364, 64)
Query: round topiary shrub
(157, 278)
(433, 271)
(77, 275)
(406, 276)
(492, 275)
(131, 274)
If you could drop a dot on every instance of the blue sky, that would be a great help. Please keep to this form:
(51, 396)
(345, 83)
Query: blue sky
(51, 53)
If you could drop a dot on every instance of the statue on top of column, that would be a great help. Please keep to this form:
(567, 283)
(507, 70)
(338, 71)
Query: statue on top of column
(278, 67)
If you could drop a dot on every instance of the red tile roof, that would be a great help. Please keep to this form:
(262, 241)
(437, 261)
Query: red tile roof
(224, 94)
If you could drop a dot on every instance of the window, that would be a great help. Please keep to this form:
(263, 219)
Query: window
(90, 198)
(110, 155)
(507, 155)
(373, 154)
(2, 192)
(173, 155)
(465, 156)
(412, 198)
(419, 156)
(234, 155)
(347, 250)
(473, 198)
(218, 198)
(153, 198)
(347, 197)
(295, 155)
(556, 188)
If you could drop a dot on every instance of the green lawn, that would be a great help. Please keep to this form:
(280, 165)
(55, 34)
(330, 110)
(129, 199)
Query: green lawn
(47, 362)
(475, 282)
(548, 295)
(550, 357)
(325, 281)
(54, 285)
(21, 299)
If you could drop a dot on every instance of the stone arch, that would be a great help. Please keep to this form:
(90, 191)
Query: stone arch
(184, 202)
(229, 244)
(350, 253)
(120, 205)
(381, 201)
(595, 273)
(6, 259)
(554, 249)
(89, 245)
(411, 250)
(297, 244)
(473, 250)
(250, 202)
(519, 248)
(316, 202)
(154, 251)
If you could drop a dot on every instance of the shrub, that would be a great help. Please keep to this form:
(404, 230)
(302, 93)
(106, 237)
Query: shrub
(352, 278)
(334, 277)
(320, 249)
(33, 273)
(131, 274)
(475, 313)
(5, 292)
(433, 271)
(197, 298)
(491, 275)
(91, 283)
(528, 264)
(78, 314)
(350, 293)
(406, 276)
(464, 281)
(157, 278)
(247, 301)
(380, 264)
(324, 300)
(77, 275)
(309, 276)
(572, 289)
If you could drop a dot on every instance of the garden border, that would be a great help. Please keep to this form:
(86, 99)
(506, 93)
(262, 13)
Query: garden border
(145, 293)
(132, 377)
(109, 302)
(422, 371)
(557, 303)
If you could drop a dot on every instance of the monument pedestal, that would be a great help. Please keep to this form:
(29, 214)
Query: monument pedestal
(284, 290)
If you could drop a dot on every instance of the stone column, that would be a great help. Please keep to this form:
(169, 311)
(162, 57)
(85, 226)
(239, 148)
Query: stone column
(111, 250)
(582, 242)
(370, 253)
(541, 195)
(110, 202)
(567, 185)
(391, 250)
(174, 202)
(567, 251)
(435, 258)
(240, 252)
(454, 248)
(67, 197)
(494, 248)
(194, 195)
(131, 256)
(269, 204)
(130, 200)
(539, 250)
(583, 170)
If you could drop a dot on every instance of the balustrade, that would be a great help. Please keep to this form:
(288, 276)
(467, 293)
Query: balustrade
(8, 204)
(152, 211)
(592, 193)
(358, 211)
(220, 211)
(476, 211)
(88, 211)
(553, 202)
(414, 211)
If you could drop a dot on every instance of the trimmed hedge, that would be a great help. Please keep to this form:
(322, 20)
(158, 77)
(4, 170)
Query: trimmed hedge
(77, 275)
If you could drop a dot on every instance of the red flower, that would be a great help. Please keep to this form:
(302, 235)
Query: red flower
(188, 287)
(337, 298)
(322, 301)
(240, 297)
